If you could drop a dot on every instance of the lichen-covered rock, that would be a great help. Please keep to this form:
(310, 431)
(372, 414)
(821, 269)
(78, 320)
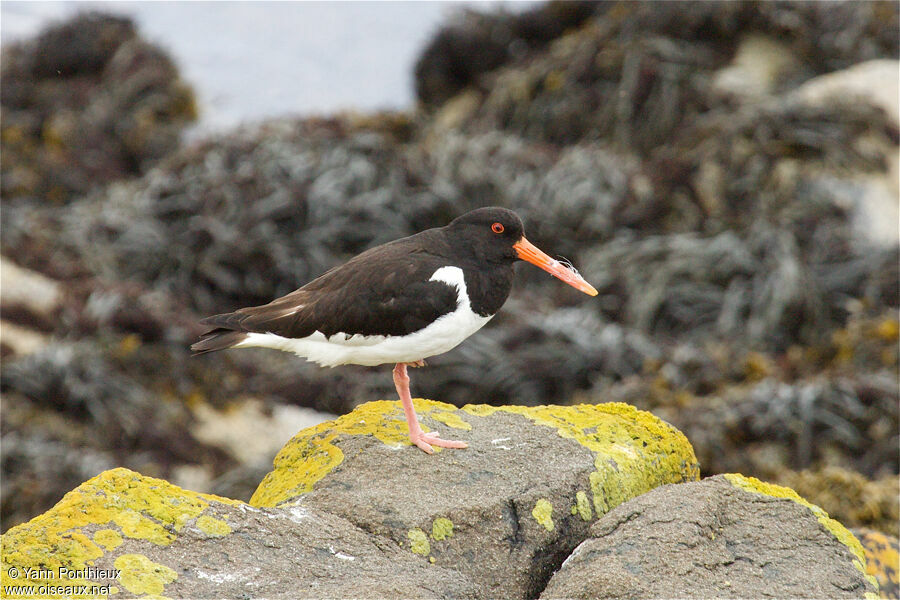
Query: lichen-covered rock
(505, 511)
(82, 415)
(364, 514)
(140, 536)
(99, 524)
(727, 536)
(882, 560)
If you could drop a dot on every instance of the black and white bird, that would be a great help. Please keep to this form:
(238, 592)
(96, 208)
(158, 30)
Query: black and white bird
(399, 303)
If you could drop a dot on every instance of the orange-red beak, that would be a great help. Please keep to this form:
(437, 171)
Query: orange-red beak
(531, 253)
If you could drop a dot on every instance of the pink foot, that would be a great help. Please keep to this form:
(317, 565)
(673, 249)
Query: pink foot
(425, 441)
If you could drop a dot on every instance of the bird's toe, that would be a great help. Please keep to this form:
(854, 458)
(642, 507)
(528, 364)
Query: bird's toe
(425, 441)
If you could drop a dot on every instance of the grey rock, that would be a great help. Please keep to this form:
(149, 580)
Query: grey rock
(710, 539)
(507, 510)
(146, 536)
(488, 493)
(297, 552)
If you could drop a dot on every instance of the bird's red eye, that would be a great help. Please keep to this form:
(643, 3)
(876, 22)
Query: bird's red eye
(497, 227)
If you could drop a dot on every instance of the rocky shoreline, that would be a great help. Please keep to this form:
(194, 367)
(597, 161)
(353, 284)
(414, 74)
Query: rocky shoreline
(726, 173)
(547, 502)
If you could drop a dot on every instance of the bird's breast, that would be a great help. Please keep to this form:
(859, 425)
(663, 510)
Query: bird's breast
(486, 288)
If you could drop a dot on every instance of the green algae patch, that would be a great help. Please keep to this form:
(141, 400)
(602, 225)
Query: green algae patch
(142, 576)
(95, 518)
(212, 526)
(418, 541)
(312, 453)
(441, 529)
(634, 451)
(843, 535)
(543, 513)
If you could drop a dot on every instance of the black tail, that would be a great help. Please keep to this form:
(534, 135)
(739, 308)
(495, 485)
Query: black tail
(224, 333)
(217, 339)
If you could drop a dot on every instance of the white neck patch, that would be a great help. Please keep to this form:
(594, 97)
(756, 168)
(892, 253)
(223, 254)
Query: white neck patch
(454, 276)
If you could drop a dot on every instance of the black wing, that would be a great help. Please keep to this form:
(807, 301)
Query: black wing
(384, 291)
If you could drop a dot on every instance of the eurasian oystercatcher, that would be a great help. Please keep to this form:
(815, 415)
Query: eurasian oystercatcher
(400, 303)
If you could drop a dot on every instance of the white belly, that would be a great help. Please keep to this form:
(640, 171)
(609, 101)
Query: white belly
(438, 337)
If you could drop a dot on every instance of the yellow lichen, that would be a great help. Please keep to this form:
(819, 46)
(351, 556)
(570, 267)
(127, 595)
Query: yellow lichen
(303, 461)
(138, 526)
(108, 538)
(140, 575)
(582, 506)
(840, 532)
(451, 419)
(634, 451)
(441, 529)
(212, 526)
(312, 454)
(123, 503)
(419, 542)
(543, 513)
(480, 410)
(882, 560)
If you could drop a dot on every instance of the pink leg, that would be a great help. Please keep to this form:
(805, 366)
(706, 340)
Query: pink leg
(419, 438)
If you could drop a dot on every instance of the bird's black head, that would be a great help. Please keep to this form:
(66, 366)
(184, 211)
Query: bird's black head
(496, 235)
(488, 233)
